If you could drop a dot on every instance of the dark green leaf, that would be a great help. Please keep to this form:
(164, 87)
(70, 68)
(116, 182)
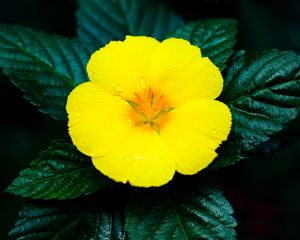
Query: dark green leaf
(74, 220)
(101, 21)
(180, 212)
(45, 67)
(60, 172)
(263, 93)
(215, 37)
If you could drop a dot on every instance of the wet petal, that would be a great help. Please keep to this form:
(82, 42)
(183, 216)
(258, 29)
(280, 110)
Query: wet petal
(143, 159)
(122, 67)
(194, 131)
(98, 122)
(180, 72)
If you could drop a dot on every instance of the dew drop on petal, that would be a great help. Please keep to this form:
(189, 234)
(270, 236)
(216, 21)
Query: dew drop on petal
(119, 88)
(174, 79)
(180, 82)
(214, 131)
(117, 97)
(143, 83)
(171, 94)
(79, 114)
(127, 158)
(140, 157)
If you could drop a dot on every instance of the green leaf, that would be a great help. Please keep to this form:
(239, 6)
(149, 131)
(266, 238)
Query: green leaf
(215, 37)
(45, 67)
(73, 220)
(181, 212)
(262, 91)
(101, 21)
(60, 172)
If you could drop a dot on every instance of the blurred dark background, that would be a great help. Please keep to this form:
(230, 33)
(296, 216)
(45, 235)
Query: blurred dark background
(264, 190)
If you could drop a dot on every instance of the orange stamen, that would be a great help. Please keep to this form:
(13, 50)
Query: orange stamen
(150, 108)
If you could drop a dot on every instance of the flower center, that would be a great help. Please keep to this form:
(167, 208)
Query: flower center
(149, 108)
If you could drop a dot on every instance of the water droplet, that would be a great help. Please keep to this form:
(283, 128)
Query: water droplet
(119, 88)
(127, 158)
(174, 79)
(143, 83)
(114, 125)
(214, 131)
(180, 82)
(128, 121)
(79, 114)
(171, 94)
(140, 157)
(118, 97)
(91, 75)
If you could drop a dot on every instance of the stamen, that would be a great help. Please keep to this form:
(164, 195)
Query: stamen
(148, 107)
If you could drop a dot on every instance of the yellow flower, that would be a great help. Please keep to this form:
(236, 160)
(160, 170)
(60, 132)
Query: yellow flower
(149, 110)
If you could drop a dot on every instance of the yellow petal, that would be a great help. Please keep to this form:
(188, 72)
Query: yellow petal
(143, 159)
(121, 67)
(194, 131)
(180, 72)
(98, 122)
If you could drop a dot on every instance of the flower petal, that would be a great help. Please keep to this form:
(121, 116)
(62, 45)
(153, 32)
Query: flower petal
(143, 159)
(180, 72)
(121, 67)
(194, 131)
(98, 122)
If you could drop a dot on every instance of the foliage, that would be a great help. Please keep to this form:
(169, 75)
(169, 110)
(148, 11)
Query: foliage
(101, 21)
(215, 38)
(60, 172)
(262, 90)
(45, 67)
(178, 212)
(89, 219)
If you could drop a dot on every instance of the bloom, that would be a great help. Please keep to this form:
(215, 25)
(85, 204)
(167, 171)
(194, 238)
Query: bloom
(149, 110)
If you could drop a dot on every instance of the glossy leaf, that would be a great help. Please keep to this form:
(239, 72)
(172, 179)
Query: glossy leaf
(45, 67)
(60, 172)
(215, 38)
(83, 220)
(263, 93)
(100, 21)
(180, 212)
